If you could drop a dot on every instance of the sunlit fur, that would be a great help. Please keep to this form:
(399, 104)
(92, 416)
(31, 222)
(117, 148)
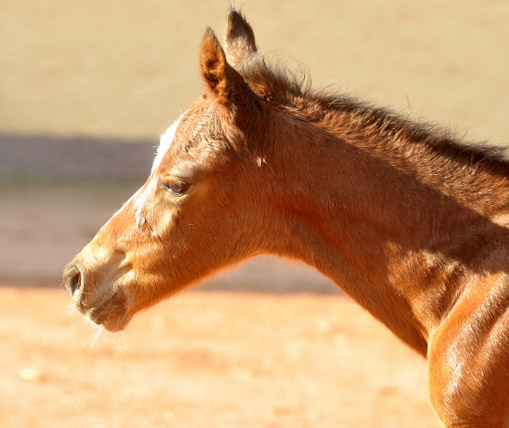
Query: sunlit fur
(405, 219)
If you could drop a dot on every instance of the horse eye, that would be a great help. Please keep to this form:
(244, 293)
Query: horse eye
(176, 188)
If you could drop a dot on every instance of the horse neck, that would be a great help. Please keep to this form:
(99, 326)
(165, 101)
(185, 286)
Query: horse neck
(378, 214)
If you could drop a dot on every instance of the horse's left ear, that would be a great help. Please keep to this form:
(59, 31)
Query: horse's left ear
(222, 80)
(240, 42)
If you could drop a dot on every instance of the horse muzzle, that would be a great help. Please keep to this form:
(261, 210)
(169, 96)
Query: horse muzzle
(107, 308)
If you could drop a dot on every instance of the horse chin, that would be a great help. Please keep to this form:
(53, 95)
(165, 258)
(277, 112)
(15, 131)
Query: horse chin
(114, 326)
(112, 314)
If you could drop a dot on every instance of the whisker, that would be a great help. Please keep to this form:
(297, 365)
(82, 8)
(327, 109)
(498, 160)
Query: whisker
(120, 342)
(94, 339)
(72, 310)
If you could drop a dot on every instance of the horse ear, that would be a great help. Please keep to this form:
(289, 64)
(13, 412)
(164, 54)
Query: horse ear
(240, 41)
(223, 82)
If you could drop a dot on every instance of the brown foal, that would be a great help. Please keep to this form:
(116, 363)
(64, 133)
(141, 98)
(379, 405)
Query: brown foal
(409, 222)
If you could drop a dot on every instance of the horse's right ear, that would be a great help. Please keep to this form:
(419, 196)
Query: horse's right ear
(224, 83)
(240, 41)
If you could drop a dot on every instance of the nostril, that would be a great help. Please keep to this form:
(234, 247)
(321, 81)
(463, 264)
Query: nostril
(72, 279)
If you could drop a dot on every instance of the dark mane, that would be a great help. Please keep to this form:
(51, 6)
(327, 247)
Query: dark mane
(421, 133)
(275, 82)
(282, 87)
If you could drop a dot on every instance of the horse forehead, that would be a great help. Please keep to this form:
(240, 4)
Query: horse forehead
(165, 142)
(193, 121)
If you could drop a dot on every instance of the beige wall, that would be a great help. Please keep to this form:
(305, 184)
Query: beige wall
(127, 68)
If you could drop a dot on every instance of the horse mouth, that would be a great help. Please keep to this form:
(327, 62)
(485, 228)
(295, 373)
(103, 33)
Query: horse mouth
(112, 314)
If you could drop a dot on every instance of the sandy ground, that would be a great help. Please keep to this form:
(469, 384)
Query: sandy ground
(207, 359)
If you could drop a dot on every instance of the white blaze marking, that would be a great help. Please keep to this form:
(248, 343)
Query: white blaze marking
(141, 200)
(141, 197)
(165, 143)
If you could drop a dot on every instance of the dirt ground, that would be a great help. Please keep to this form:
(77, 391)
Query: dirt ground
(207, 359)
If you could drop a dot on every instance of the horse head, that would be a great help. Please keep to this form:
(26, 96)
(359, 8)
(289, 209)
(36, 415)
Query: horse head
(189, 219)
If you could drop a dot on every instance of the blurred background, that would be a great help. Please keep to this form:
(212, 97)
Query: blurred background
(86, 88)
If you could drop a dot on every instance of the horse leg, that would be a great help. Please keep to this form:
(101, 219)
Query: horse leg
(469, 360)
